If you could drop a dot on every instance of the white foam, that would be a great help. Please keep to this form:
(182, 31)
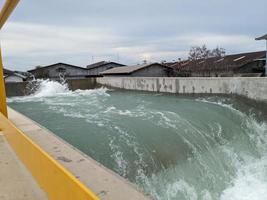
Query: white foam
(250, 183)
(183, 187)
(222, 104)
(48, 88)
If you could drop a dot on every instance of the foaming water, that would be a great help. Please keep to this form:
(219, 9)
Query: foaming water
(49, 88)
(45, 89)
(172, 147)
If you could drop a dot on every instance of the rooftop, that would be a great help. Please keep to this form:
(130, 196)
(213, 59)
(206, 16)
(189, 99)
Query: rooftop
(128, 69)
(52, 65)
(264, 37)
(7, 72)
(229, 61)
(102, 63)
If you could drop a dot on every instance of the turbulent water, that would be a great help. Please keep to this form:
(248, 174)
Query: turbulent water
(172, 147)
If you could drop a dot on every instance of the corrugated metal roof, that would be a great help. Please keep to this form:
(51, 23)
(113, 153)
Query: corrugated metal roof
(264, 37)
(128, 69)
(227, 62)
(19, 75)
(97, 64)
(102, 63)
(8, 72)
(42, 67)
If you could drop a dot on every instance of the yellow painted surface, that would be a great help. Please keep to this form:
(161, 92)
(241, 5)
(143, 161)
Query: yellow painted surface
(54, 179)
(3, 107)
(7, 9)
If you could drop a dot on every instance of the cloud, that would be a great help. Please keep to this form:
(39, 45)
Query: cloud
(26, 45)
(43, 32)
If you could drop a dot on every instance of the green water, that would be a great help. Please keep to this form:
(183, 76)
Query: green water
(172, 147)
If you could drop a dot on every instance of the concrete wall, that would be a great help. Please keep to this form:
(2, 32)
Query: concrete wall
(16, 88)
(20, 89)
(253, 88)
(82, 84)
(13, 78)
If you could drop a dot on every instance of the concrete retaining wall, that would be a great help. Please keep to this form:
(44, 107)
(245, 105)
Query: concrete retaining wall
(82, 84)
(16, 89)
(20, 88)
(253, 88)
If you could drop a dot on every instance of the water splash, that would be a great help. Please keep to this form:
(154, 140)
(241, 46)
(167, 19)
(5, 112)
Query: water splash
(41, 90)
(48, 88)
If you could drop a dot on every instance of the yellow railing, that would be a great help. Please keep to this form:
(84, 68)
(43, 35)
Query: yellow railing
(7, 9)
(53, 178)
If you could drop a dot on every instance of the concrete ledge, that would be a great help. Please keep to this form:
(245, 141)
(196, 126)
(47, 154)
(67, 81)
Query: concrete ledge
(52, 177)
(251, 87)
(102, 181)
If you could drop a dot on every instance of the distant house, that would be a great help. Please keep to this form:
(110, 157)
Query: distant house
(7, 72)
(95, 69)
(244, 64)
(13, 76)
(55, 71)
(144, 70)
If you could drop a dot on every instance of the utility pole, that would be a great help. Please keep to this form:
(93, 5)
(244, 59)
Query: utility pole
(264, 37)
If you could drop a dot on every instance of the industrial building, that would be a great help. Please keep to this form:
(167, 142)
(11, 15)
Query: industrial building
(143, 70)
(244, 64)
(55, 71)
(13, 76)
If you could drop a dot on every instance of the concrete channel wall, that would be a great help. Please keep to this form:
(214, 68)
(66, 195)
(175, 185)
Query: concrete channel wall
(253, 88)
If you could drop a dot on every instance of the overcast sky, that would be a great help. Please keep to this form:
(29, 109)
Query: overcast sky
(42, 32)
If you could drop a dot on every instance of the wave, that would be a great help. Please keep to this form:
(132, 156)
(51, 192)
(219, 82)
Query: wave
(45, 89)
(48, 88)
(219, 103)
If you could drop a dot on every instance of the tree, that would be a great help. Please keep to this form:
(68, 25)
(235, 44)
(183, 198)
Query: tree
(202, 52)
(218, 52)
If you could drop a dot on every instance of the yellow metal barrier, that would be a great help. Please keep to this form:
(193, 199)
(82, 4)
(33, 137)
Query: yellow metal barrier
(3, 107)
(54, 179)
(7, 9)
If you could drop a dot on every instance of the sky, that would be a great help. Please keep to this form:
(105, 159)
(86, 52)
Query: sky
(81, 32)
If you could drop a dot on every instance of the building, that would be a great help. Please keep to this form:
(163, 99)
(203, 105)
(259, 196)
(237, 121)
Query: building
(7, 72)
(144, 70)
(13, 76)
(95, 69)
(244, 64)
(55, 71)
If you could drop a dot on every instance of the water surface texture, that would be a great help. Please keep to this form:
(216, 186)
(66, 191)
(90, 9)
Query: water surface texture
(172, 147)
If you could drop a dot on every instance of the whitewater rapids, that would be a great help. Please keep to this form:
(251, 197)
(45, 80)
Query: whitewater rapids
(185, 148)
